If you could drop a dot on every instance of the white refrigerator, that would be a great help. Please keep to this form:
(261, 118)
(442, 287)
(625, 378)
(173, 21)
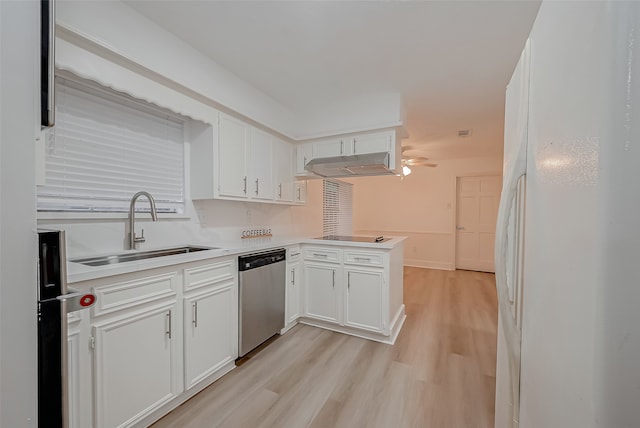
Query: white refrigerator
(568, 235)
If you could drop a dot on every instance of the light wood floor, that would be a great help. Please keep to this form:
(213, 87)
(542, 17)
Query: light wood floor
(439, 374)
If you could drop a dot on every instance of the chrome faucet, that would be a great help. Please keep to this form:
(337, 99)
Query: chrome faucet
(133, 239)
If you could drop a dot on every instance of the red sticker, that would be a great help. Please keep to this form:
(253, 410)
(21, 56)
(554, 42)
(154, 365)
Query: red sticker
(87, 300)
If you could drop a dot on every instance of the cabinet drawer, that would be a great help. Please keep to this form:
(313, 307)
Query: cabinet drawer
(293, 253)
(322, 254)
(113, 297)
(363, 258)
(207, 275)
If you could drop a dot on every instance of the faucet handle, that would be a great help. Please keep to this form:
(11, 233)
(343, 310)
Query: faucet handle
(137, 238)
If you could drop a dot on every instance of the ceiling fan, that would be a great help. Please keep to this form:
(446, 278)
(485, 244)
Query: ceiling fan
(412, 161)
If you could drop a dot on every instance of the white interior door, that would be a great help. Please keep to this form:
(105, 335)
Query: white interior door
(477, 212)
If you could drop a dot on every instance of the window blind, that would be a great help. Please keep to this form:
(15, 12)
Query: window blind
(337, 214)
(105, 147)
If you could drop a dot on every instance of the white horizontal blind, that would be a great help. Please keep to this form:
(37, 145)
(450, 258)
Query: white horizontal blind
(337, 213)
(106, 147)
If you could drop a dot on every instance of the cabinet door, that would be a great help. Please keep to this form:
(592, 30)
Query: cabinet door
(371, 143)
(135, 365)
(283, 174)
(321, 296)
(210, 326)
(74, 372)
(329, 148)
(300, 192)
(233, 150)
(261, 180)
(303, 155)
(294, 282)
(363, 299)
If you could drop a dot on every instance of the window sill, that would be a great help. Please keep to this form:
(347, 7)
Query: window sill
(71, 215)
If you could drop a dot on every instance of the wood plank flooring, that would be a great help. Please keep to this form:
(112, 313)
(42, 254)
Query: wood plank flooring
(439, 374)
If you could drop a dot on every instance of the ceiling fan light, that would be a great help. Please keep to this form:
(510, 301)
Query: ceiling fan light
(406, 170)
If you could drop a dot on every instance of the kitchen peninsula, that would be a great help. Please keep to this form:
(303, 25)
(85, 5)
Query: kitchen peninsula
(165, 328)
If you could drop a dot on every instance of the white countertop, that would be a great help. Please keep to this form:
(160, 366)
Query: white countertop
(77, 272)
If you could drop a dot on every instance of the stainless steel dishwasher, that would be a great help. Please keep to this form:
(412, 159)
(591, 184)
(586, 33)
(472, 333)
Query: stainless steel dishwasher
(262, 299)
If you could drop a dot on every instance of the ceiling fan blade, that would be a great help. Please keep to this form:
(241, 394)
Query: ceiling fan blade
(422, 161)
(409, 147)
(416, 160)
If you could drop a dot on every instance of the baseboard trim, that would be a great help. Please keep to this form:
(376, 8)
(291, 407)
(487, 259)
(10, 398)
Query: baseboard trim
(377, 337)
(428, 264)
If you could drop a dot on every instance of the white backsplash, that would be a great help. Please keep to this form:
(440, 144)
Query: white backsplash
(211, 222)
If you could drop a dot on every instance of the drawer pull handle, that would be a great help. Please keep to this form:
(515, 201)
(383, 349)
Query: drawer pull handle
(195, 314)
(295, 254)
(320, 255)
(363, 259)
(168, 332)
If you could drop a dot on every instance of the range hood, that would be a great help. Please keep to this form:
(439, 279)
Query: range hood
(351, 166)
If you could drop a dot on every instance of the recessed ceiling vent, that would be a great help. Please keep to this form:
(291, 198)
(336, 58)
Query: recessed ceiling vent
(463, 133)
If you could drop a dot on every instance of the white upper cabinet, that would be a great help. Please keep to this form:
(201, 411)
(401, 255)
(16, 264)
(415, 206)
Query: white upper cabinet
(300, 192)
(260, 170)
(233, 150)
(331, 147)
(234, 160)
(303, 155)
(371, 143)
(282, 171)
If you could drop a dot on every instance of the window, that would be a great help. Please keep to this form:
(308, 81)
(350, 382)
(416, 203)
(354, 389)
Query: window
(336, 208)
(105, 147)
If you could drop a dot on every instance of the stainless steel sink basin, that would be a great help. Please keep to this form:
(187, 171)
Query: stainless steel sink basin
(139, 255)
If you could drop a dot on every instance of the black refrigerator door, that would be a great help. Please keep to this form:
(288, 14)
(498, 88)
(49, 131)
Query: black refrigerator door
(51, 402)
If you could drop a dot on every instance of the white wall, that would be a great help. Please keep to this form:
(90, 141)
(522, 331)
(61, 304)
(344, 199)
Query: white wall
(127, 35)
(420, 206)
(19, 45)
(123, 31)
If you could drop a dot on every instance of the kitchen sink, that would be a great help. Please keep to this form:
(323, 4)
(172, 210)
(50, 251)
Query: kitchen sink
(138, 255)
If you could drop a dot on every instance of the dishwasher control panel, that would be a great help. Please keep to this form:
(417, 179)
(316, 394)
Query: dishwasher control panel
(252, 261)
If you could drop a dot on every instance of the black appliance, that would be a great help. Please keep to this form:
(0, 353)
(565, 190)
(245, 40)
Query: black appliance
(47, 62)
(54, 302)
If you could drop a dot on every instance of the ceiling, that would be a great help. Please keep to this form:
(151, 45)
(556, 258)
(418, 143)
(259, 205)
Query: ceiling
(449, 60)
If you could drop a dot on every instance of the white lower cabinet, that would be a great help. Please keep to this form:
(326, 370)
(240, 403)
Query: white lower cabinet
(294, 295)
(210, 332)
(293, 287)
(155, 338)
(363, 298)
(74, 371)
(135, 364)
(354, 290)
(321, 291)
